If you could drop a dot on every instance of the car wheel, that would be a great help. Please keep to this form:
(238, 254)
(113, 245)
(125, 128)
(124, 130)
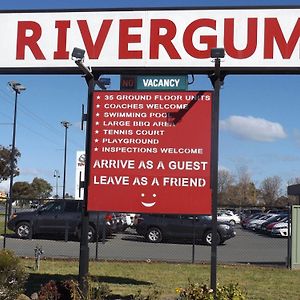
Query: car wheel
(232, 222)
(23, 230)
(207, 238)
(91, 234)
(154, 235)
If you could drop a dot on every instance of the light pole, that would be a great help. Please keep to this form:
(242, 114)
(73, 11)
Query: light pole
(65, 124)
(78, 57)
(17, 88)
(56, 176)
(216, 79)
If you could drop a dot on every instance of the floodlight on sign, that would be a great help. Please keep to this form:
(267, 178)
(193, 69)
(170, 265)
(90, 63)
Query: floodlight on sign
(78, 54)
(217, 53)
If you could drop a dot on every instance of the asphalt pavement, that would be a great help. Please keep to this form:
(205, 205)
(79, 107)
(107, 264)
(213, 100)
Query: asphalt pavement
(245, 247)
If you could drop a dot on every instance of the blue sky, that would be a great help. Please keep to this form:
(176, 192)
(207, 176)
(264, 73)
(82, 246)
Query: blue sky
(259, 114)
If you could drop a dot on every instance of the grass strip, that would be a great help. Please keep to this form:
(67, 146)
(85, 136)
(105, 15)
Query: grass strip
(124, 278)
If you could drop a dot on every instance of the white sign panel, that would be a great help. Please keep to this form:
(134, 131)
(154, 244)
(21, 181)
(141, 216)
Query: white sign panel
(252, 38)
(79, 176)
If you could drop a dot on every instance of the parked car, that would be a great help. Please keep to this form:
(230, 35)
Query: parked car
(279, 229)
(156, 228)
(34, 204)
(119, 221)
(246, 221)
(255, 224)
(130, 219)
(58, 217)
(277, 218)
(228, 216)
(247, 212)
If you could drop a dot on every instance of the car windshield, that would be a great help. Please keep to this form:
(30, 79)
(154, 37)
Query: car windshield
(204, 217)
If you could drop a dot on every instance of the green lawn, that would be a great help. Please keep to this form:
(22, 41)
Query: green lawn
(2, 225)
(265, 283)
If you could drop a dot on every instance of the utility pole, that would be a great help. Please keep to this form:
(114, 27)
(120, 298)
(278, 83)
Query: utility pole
(17, 88)
(65, 124)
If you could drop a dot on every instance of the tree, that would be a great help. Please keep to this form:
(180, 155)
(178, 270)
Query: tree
(270, 189)
(225, 182)
(295, 180)
(38, 189)
(246, 190)
(22, 190)
(5, 161)
(41, 188)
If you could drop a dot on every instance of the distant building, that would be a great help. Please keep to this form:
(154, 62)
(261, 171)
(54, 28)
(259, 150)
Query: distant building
(2, 196)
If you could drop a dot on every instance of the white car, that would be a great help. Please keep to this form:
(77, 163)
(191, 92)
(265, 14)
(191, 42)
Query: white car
(228, 216)
(130, 219)
(280, 229)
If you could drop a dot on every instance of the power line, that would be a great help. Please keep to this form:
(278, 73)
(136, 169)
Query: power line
(39, 120)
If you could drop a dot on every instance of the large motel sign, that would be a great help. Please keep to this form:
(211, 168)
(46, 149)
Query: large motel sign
(264, 39)
(169, 41)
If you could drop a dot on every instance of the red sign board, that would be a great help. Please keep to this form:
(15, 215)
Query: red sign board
(150, 152)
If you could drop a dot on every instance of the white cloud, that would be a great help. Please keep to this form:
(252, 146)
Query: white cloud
(252, 128)
(4, 186)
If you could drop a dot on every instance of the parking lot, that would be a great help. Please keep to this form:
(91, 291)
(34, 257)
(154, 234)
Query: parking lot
(245, 247)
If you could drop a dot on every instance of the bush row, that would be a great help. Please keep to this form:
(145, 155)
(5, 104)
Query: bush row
(13, 277)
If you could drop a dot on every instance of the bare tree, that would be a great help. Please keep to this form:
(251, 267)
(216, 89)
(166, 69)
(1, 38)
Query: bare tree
(225, 182)
(246, 191)
(295, 180)
(271, 189)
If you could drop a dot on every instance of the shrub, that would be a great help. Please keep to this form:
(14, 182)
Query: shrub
(49, 291)
(99, 291)
(12, 276)
(69, 290)
(153, 294)
(196, 291)
(230, 292)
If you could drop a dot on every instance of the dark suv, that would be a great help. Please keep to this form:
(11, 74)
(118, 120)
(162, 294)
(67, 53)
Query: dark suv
(156, 228)
(60, 217)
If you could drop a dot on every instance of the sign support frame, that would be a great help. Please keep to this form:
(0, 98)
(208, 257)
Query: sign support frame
(216, 80)
(84, 246)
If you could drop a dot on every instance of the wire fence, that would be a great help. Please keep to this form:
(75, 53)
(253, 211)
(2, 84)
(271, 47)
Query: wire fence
(115, 236)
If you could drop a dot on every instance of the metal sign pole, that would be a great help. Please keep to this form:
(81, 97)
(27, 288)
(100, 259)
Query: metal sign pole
(84, 247)
(216, 53)
(78, 57)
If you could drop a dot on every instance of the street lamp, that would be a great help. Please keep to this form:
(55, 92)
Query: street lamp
(56, 176)
(17, 88)
(78, 56)
(65, 124)
(217, 80)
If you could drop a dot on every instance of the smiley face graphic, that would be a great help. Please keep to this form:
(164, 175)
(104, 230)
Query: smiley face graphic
(148, 204)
